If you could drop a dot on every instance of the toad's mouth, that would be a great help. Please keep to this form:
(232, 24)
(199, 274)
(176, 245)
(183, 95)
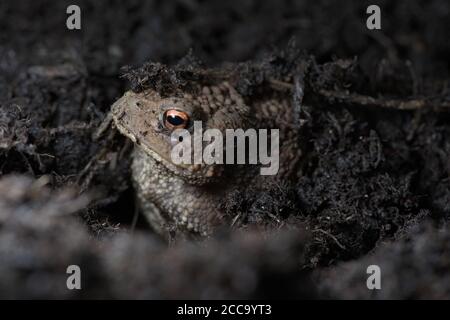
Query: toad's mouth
(192, 174)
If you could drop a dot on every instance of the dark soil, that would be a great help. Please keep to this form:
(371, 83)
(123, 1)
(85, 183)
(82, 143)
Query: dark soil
(373, 188)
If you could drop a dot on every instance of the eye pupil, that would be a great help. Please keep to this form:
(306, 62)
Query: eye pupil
(175, 120)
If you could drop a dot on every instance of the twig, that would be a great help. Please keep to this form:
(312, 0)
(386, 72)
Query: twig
(413, 104)
(359, 99)
(340, 245)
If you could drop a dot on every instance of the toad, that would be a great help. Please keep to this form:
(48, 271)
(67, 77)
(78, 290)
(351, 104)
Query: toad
(186, 197)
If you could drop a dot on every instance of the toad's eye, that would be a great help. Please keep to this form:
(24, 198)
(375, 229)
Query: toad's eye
(175, 119)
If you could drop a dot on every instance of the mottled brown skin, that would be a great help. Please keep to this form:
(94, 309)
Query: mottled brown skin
(186, 198)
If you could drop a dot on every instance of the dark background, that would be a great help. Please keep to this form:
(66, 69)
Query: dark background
(377, 188)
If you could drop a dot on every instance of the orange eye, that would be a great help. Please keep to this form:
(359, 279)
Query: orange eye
(175, 119)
